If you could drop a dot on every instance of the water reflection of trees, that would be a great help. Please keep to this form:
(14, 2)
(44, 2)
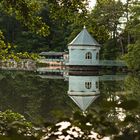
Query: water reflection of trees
(114, 114)
(32, 96)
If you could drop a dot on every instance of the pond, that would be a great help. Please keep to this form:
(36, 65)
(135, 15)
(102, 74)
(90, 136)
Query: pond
(105, 104)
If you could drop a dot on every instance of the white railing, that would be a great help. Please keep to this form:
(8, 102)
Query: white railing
(112, 62)
(97, 63)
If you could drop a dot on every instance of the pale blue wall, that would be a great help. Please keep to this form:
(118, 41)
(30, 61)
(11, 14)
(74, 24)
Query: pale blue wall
(77, 83)
(77, 56)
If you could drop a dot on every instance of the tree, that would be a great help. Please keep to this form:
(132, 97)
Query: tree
(133, 54)
(26, 12)
(23, 11)
(14, 126)
(108, 13)
(41, 25)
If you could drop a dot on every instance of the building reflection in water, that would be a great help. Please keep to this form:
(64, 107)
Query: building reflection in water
(82, 89)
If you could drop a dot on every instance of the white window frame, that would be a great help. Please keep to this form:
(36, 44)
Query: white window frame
(88, 85)
(88, 55)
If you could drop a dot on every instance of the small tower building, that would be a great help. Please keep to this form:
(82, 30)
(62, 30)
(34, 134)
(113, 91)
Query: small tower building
(83, 50)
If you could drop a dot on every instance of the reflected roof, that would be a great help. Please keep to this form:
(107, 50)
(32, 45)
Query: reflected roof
(83, 102)
(84, 39)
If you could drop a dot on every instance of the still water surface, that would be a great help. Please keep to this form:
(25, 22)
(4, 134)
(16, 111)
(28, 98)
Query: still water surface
(46, 98)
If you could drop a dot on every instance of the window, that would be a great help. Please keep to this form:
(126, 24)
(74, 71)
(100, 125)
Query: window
(97, 55)
(88, 85)
(88, 55)
(97, 85)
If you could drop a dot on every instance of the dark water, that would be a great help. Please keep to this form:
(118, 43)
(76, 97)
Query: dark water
(113, 101)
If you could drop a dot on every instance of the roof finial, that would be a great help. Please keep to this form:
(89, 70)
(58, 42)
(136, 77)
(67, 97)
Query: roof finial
(84, 27)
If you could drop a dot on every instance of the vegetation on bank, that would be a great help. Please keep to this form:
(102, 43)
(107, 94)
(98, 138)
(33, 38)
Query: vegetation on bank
(80, 126)
(46, 25)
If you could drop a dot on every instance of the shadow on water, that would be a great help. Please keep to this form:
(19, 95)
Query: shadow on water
(83, 107)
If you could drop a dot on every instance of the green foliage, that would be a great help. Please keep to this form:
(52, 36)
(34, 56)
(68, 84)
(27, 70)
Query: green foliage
(7, 53)
(36, 98)
(86, 126)
(23, 21)
(133, 27)
(132, 83)
(4, 48)
(132, 57)
(110, 50)
(128, 105)
(25, 11)
(107, 13)
(14, 126)
(67, 10)
(104, 23)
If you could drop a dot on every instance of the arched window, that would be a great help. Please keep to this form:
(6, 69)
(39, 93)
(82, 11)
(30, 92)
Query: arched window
(88, 55)
(97, 55)
(88, 85)
(97, 85)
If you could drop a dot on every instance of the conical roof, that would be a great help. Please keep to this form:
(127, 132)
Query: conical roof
(84, 39)
(83, 102)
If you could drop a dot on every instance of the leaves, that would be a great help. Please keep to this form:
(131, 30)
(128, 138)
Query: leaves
(133, 55)
(133, 28)
(11, 122)
(108, 13)
(26, 12)
(6, 52)
(128, 105)
(66, 10)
